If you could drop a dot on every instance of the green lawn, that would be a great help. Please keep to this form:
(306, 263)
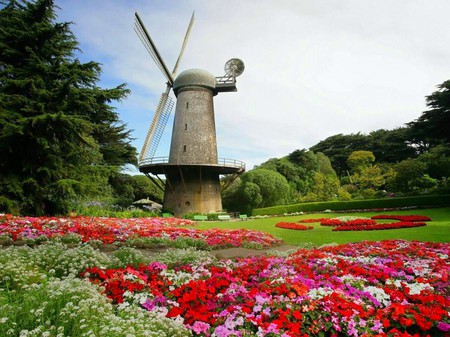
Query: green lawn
(437, 230)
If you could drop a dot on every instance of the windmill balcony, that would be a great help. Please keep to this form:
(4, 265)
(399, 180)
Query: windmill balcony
(160, 164)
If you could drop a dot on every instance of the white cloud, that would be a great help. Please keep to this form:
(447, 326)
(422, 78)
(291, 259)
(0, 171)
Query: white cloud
(313, 68)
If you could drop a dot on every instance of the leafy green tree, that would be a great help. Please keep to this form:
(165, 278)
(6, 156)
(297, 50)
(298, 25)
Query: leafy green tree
(437, 161)
(326, 186)
(369, 177)
(358, 160)
(56, 124)
(257, 188)
(408, 175)
(324, 164)
(305, 159)
(432, 127)
(143, 188)
(273, 187)
(391, 146)
(338, 147)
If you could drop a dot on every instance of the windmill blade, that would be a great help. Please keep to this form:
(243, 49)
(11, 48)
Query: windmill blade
(148, 43)
(186, 38)
(159, 122)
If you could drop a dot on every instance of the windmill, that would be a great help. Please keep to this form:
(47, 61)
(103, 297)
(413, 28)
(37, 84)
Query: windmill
(192, 169)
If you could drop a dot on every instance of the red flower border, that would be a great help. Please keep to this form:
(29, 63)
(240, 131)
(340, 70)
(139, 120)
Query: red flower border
(293, 225)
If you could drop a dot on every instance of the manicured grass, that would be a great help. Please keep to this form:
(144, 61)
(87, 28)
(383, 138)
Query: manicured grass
(437, 230)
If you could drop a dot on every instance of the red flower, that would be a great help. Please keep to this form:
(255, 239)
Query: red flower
(292, 225)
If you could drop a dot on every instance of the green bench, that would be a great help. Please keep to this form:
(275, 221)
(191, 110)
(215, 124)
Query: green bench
(167, 215)
(223, 217)
(243, 216)
(200, 217)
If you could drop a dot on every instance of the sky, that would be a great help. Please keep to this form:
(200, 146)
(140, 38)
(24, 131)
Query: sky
(313, 68)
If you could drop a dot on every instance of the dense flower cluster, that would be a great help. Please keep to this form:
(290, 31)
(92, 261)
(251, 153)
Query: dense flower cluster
(331, 222)
(110, 230)
(293, 225)
(407, 218)
(388, 288)
(364, 224)
(375, 227)
(312, 220)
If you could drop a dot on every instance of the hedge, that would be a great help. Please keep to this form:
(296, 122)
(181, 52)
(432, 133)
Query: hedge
(417, 201)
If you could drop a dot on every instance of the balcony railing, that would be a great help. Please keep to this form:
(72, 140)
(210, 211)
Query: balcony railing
(220, 162)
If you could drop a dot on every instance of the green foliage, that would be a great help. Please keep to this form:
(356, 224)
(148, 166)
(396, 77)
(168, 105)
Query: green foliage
(369, 177)
(431, 128)
(127, 256)
(179, 257)
(265, 188)
(358, 160)
(56, 126)
(326, 187)
(418, 201)
(388, 146)
(437, 161)
(143, 188)
(408, 174)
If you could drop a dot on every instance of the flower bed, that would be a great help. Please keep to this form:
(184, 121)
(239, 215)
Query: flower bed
(388, 288)
(111, 230)
(376, 227)
(312, 220)
(331, 222)
(365, 224)
(293, 225)
(407, 218)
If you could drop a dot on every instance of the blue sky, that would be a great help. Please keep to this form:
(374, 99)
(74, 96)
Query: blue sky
(314, 68)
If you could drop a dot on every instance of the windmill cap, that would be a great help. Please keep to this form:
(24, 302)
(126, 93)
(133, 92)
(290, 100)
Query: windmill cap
(194, 77)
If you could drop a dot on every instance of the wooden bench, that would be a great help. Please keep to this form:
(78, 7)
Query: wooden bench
(200, 217)
(243, 216)
(223, 217)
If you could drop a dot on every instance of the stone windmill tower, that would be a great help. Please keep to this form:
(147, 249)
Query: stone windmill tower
(192, 169)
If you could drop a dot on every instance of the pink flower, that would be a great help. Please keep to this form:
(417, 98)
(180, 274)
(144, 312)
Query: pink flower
(200, 327)
(443, 326)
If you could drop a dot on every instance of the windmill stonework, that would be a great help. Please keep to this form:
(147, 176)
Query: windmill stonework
(193, 168)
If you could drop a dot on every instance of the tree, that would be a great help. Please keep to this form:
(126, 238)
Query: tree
(145, 188)
(431, 128)
(391, 146)
(369, 177)
(338, 147)
(359, 160)
(273, 187)
(437, 161)
(326, 186)
(56, 124)
(408, 175)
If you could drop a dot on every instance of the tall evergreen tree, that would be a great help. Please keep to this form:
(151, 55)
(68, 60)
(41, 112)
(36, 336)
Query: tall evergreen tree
(56, 124)
(432, 127)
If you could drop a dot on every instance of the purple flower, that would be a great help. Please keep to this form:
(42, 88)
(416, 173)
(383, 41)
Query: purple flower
(443, 326)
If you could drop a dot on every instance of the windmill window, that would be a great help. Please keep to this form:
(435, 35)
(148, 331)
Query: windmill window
(187, 105)
(185, 127)
(184, 148)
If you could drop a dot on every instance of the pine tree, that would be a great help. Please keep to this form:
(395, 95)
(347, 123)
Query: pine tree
(56, 124)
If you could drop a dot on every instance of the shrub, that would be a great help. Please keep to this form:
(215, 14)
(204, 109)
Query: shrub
(418, 201)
